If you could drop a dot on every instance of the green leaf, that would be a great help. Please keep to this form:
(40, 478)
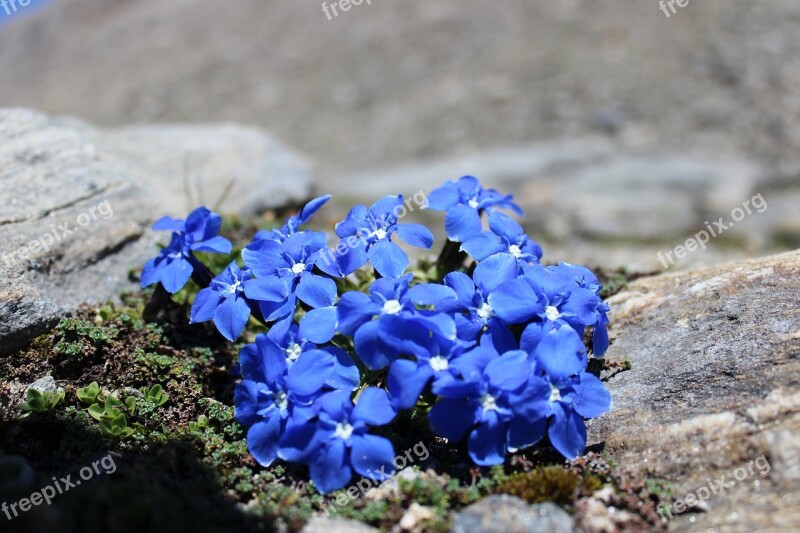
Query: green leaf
(130, 403)
(88, 394)
(96, 411)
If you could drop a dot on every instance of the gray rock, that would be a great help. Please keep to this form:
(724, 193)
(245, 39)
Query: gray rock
(78, 204)
(320, 524)
(713, 390)
(509, 514)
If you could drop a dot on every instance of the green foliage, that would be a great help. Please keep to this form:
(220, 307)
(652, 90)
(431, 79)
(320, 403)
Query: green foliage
(37, 401)
(89, 394)
(155, 395)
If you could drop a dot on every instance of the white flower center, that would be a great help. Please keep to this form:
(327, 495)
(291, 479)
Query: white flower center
(293, 352)
(233, 288)
(474, 204)
(552, 313)
(485, 311)
(380, 234)
(439, 363)
(488, 402)
(343, 430)
(392, 307)
(281, 401)
(298, 267)
(555, 394)
(515, 250)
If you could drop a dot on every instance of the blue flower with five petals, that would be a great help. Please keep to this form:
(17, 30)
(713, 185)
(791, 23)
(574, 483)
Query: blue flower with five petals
(505, 237)
(273, 390)
(174, 265)
(224, 301)
(294, 222)
(366, 235)
(337, 442)
(465, 201)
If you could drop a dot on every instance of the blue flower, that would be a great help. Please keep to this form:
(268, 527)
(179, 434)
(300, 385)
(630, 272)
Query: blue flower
(473, 313)
(547, 295)
(464, 201)
(294, 222)
(505, 237)
(587, 280)
(499, 406)
(337, 442)
(224, 301)
(366, 235)
(379, 340)
(292, 262)
(174, 265)
(273, 390)
(574, 394)
(432, 359)
(294, 342)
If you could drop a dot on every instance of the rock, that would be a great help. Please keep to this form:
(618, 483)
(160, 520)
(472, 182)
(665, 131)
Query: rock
(713, 392)
(509, 514)
(44, 384)
(233, 168)
(415, 518)
(320, 524)
(79, 203)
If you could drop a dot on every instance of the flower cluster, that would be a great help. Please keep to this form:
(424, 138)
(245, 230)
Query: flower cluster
(488, 345)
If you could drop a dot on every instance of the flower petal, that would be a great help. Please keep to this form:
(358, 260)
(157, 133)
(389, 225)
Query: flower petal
(330, 469)
(567, 431)
(318, 325)
(415, 235)
(309, 373)
(374, 407)
(231, 316)
(462, 222)
(591, 398)
(316, 291)
(372, 455)
(487, 442)
(388, 259)
(262, 440)
(452, 418)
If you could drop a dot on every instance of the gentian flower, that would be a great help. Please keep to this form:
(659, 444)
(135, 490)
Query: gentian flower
(224, 301)
(473, 313)
(549, 296)
(506, 237)
(432, 358)
(586, 279)
(337, 442)
(294, 222)
(394, 304)
(366, 235)
(574, 394)
(294, 342)
(291, 262)
(174, 265)
(464, 201)
(273, 390)
(500, 405)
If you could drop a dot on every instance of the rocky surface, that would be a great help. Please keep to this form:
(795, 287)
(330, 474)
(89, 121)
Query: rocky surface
(508, 514)
(714, 393)
(78, 203)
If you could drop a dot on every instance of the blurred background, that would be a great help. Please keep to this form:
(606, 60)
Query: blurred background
(620, 130)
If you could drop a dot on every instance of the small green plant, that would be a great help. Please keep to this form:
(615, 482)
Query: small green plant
(89, 394)
(113, 422)
(155, 395)
(37, 401)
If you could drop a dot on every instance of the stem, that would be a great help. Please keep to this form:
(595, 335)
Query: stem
(451, 258)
